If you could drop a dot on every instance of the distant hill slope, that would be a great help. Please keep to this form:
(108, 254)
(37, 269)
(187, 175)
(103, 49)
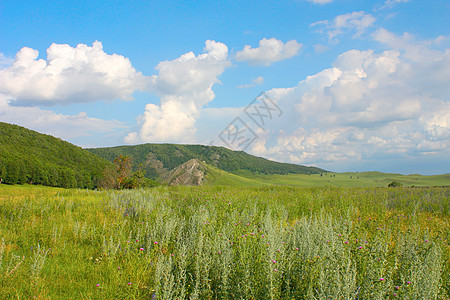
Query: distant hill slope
(27, 156)
(158, 159)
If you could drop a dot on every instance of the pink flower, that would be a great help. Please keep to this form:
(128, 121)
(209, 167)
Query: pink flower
(381, 279)
(142, 249)
(129, 283)
(346, 242)
(360, 247)
(97, 285)
(156, 243)
(274, 261)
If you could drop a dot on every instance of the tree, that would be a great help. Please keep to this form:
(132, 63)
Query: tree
(395, 184)
(123, 170)
(121, 175)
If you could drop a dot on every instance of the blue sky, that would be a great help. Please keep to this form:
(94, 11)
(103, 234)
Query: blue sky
(347, 85)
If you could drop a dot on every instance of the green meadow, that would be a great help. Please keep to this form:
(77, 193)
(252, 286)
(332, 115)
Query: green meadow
(266, 242)
(217, 177)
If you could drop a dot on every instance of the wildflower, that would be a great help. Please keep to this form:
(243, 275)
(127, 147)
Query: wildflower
(408, 282)
(118, 268)
(426, 241)
(296, 248)
(346, 242)
(381, 279)
(156, 243)
(275, 270)
(220, 252)
(397, 287)
(360, 247)
(274, 261)
(129, 283)
(97, 285)
(142, 249)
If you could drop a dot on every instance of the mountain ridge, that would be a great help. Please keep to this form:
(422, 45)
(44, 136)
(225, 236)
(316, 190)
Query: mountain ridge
(157, 159)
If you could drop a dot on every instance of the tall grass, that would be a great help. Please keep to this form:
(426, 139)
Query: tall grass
(227, 243)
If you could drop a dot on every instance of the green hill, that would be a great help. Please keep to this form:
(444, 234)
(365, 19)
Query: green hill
(157, 159)
(27, 156)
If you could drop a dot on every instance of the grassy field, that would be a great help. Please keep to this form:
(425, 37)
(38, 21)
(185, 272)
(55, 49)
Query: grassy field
(218, 177)
(273, 242)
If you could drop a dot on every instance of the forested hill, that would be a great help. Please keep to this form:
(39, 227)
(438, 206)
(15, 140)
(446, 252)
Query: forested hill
(27, 156)
(157, 159)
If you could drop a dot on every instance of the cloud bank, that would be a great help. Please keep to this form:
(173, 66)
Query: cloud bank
(59, 125)
(367, 106)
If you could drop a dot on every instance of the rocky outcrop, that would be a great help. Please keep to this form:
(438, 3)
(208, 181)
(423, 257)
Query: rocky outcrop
(191, 172)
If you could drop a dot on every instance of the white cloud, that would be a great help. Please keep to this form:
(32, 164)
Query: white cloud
(321, 1)
(269, 51)
(356, 22)
(413, 49)
(5, 61)
(255, 81)
(184, 86)
(319, 48)
(66, 127)
(390, 3)
(367, 107)
(69, 75)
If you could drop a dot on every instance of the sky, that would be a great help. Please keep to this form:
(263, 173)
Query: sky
(345, 85)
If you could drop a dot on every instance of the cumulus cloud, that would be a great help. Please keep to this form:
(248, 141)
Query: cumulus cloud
(69, 75)
(256, 81)
(367, 106)
(269, 51)
(356, 22)
(184, 86)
